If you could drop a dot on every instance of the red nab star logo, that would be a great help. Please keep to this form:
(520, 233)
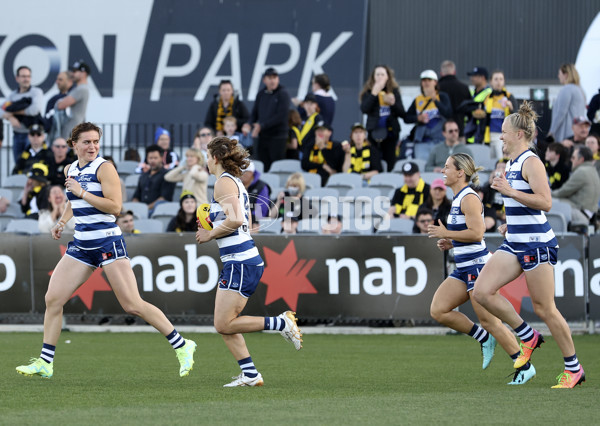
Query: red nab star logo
(515, 291)
(95, 282)
(285, 276)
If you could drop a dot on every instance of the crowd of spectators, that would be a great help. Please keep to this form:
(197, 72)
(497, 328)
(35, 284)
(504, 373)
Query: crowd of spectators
(447, 118)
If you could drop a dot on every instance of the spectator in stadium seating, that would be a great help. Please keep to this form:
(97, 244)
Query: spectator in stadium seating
(259, 192)
(364, 159)
(423, 219)
(380, 100)
(292, 147)
(290, 199)
(76, 100)
(185, 220)
(457, 91)
(569, 103)
(268, 123)
(493, 203)
(321, 89)
(593, 113)
(94, 201)
(132, 154)
(498, 105)
(35, 193)
(557, 168)
(411, 195)
(593, 143)
(55, 119)
(476, 115)
(325, 157)
(58, 158)
(193, 174)
(203, 136)
(429, 111)
(126, 221)
(438, 202)
(152, 187)
(230, 131)
(23, 108)
(225, 104)
(465, 233)
(333, 226)
(582, 189)
(441, 151)
(170, 159)
(35, 152)
(57, 202)
(306, 137)
(580, 130)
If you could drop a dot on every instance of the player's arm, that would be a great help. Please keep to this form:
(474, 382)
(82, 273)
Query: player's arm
(471, 207)
(112, 200)
(65, 102)
(226, 194)
(533, 172)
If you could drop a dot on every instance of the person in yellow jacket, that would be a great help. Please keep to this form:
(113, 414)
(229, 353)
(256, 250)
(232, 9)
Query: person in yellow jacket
(475, 125)
(498, 105)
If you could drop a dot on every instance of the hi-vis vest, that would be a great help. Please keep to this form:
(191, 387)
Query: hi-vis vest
(360, 161)
(496, 113)
(479, 98)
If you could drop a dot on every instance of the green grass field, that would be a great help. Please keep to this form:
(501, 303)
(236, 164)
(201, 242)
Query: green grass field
(110, 378)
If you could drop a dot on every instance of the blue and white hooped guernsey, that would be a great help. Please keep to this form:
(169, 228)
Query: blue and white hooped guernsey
(465, 254)
(527, 228)
(238, 246)
(93, 228)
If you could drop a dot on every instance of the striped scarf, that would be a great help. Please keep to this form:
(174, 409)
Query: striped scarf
(222, 113)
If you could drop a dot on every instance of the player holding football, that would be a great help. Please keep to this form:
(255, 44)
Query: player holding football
(242, 264)
(465, 233)
(94, 194)
(529, 246)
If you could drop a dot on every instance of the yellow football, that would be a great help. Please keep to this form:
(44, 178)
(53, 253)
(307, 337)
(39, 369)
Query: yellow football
(202, 213)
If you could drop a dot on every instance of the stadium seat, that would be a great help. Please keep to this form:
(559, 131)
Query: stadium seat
(429, 177)
(7, 193)
(561, 207)
(386, 182)
(259, 166)
(139, 209)
(269, 226)
(344, 182)
(283, 168)
(272, 180)
(149, 226)
(23, 226)
(127, 167)
(131, 183)
(165, 212)
(557, 222)
(396, 226)
(309, 226)
(312, 180)
(15, 183)
(177, 191)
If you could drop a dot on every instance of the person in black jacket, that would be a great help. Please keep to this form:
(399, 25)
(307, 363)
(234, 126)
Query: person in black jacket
(224, 105)
(269, 120)
(380, 100)
(457, 91)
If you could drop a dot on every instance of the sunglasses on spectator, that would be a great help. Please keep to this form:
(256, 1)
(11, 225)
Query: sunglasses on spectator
(35, 134)
(425, 220)
(452, 130)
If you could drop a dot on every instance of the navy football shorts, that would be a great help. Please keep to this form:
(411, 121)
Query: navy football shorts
(101, 256)
(241, 278)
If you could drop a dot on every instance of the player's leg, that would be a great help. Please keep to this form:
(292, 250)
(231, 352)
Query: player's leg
(450, 294)
(122, 280)
(540, 282)
(68, 275)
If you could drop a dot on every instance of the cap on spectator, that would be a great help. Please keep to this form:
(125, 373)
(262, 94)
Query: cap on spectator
(410, 168)
(159, 132)
(430, 74)
(251, 167)
(38, 172)
(581, 119)
(80, 66)
(323, 125)
(36, 129)
(310, 98)
(358, 126)
(185, 195)
(126, 212)
(438, 183)
(478, 71)
(270, 71)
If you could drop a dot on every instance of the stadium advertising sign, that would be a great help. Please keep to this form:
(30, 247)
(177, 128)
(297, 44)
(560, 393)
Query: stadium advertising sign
(594, 277)
(161, 61)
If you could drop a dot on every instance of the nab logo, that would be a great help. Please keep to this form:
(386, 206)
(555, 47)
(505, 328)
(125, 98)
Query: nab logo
(285, 276)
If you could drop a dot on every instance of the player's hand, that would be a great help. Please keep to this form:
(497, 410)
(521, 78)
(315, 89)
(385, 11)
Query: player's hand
(444, 244)
(73, 186)
(202, 235)
(437, 231)
(57, 230)
(502, 229)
